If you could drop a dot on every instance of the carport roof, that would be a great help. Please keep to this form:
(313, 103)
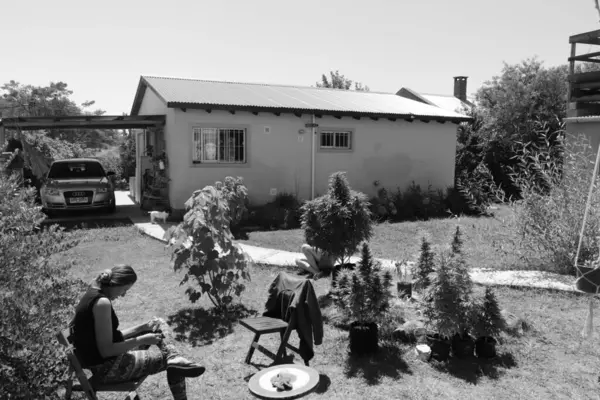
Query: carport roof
(83, 122)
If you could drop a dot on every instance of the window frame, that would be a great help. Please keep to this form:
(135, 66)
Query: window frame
(218, 128)
(333, 149)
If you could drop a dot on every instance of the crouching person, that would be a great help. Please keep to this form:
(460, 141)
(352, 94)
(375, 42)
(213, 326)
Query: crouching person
(316, 263)
(115, 356)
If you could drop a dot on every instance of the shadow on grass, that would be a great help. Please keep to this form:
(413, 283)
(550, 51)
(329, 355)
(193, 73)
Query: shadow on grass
(199, 326)
(472, 369)
(387, 361)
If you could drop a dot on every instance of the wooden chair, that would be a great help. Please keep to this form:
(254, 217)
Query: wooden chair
(89, 386)
(265, 325)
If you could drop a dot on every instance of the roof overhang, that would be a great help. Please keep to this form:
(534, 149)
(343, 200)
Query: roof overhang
(319, 113)
(83, 122)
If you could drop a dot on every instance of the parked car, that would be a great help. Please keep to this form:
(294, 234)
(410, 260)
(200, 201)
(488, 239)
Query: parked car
(77, 184)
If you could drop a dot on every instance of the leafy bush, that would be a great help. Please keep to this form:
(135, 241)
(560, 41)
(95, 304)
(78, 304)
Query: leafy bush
(37, 297)
(339, 221)
(448, 307)
(411, 204)
(202, 246)
(363, 294)
(127, 156)
(281, 213)
(554, 194)
(236, 195)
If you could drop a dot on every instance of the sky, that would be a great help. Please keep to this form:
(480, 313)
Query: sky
(100, 49)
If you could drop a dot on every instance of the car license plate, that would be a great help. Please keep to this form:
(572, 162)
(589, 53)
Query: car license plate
(78, 200)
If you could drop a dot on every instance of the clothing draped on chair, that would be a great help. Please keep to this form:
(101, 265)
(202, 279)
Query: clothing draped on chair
(289, 292)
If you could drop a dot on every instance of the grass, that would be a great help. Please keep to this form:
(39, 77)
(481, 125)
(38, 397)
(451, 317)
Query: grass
(489, 239)
(547, 362)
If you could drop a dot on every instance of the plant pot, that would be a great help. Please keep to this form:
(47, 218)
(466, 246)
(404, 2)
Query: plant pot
(364, 338)
(337, 269)
(440, 347)
(404, 289)
(463, 346)
(588, 282)
(485, 347)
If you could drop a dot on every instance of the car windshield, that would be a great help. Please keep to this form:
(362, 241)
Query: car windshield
(76, 170)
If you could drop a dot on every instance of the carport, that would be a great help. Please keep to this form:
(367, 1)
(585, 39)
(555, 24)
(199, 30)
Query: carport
(146, 128)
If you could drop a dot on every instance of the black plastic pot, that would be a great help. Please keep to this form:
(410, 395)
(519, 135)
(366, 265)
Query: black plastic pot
(404, 289)
(337, 269)
(485, 347)
(440, 347)
(364, 338)
(463, 346)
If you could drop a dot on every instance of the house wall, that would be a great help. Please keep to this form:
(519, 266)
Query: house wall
(393, 153)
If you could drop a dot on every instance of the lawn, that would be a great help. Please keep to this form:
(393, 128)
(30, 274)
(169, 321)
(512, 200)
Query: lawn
(489, 240)
(549, 361)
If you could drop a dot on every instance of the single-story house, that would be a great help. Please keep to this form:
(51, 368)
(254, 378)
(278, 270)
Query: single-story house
(291, 139)
(456, 102)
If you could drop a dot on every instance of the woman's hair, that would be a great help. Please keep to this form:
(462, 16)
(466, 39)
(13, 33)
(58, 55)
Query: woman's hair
(119, 275)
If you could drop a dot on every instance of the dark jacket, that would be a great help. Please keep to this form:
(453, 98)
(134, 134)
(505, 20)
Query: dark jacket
(290, 293)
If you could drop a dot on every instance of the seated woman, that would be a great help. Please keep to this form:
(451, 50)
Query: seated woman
(316, 262)
(116, 356)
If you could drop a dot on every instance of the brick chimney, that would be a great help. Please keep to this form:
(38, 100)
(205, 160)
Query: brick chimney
(460, 87)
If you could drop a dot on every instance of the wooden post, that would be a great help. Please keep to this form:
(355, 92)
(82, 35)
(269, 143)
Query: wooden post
(571, 73)
(2, 138)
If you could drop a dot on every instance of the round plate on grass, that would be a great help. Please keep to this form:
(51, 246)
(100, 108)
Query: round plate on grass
(305, 381)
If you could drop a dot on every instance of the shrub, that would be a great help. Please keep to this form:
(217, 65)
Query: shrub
(281, 213)
(37, 297)
(339, 221)
(202, 246)
(363, 294)
(127, 155)
(425, 266)
(411, 204)
(553, 199)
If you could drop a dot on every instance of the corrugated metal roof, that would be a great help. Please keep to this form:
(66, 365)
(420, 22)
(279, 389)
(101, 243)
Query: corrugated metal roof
(447, 102)
(177, 92)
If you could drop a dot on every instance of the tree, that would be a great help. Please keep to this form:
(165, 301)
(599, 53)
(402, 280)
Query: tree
(339, 81)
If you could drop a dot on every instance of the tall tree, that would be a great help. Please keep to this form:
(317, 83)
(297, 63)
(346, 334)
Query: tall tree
(339, 81)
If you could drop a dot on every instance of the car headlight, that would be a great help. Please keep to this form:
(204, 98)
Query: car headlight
(51, 192)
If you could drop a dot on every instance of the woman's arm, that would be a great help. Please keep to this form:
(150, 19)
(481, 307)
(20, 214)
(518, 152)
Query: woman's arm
(136, 330)
(103, 329)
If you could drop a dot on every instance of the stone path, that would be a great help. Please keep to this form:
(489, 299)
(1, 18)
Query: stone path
(533, 279)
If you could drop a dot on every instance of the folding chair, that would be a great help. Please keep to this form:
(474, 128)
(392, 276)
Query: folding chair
(89, 386)
(265, 325)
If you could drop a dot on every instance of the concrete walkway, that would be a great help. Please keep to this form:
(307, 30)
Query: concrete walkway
(533, 279)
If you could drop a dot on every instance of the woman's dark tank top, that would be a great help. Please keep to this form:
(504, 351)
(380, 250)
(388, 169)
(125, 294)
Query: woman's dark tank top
(84, 332)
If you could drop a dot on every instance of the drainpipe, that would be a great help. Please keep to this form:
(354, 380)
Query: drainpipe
(313, 126)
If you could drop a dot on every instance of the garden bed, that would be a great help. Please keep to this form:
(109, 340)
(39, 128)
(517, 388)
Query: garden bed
(529, 364)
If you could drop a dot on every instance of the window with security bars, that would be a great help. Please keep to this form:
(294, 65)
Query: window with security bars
(219, 145)
(341, 140)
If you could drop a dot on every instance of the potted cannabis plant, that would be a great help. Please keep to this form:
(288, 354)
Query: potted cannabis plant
(447, 305)
(489, 324)
(463, 344)
(363, 296)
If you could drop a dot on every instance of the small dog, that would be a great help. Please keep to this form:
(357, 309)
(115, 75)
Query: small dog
(158, 215)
